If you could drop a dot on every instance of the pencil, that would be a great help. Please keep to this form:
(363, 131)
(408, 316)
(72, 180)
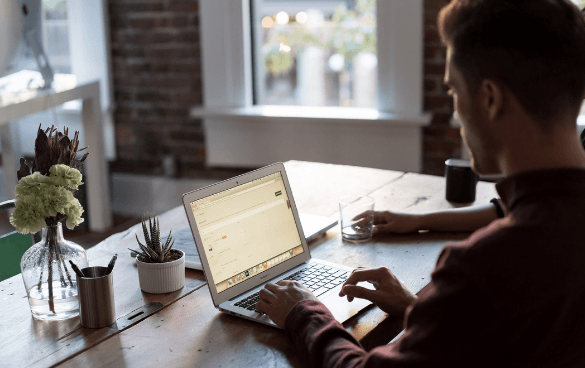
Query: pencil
(76, 269)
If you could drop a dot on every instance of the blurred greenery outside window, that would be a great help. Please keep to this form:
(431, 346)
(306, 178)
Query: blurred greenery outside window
(315, 53)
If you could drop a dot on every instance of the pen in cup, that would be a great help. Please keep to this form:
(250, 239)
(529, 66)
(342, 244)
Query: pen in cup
(111, 264)
(76, 269)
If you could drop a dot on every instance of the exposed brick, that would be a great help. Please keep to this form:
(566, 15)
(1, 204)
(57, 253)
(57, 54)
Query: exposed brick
(430, 84)
(432, 35)
(157, 79)
(438, 103)
(178, 21)
(435, 5)
(440, 140)
(143, 23)
(152, 96)
(183, 5)
(443, 119)
(435, 68)
(453, 134)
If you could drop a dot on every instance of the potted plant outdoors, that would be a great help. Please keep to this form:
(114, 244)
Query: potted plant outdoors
(161, 269)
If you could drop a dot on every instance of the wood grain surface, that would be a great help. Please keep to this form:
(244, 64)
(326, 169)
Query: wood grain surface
(191, 332)
(27, 341)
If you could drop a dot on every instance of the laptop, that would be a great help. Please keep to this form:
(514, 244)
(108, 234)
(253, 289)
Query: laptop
(313, 227)
(248, 232)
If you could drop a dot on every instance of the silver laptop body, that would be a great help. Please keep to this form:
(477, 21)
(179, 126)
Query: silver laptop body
(248, 233)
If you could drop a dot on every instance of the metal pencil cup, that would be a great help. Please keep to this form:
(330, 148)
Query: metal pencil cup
(96, 297)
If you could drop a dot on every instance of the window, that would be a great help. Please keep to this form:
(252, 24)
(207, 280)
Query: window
(315, 53)
(55, 39)
(579, 3)
(56, 35)
(242, 129)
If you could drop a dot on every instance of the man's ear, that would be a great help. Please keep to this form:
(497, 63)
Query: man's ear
(492, 98)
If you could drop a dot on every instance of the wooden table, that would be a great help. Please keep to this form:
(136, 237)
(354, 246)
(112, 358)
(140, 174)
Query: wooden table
(184, 329)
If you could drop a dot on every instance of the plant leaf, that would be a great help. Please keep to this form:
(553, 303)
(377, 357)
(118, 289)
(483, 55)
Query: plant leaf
(169, 248)
(24, 169)
(42, 152)
(151, 253)
(138, 253)
(147, 251)
(169, 238)
(146, 236)
(158, 243)
(65, 152)
(83, 157)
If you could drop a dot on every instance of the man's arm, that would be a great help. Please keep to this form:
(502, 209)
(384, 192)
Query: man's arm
(465, 219)
(449, 325)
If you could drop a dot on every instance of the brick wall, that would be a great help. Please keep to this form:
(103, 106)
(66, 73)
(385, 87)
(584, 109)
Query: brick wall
(440, 140)
(157, 78)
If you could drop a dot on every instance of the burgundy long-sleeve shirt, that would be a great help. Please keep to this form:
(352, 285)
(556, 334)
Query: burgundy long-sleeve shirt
(511, 295)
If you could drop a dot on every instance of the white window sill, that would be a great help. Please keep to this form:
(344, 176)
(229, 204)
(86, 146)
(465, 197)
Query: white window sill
(309, 114)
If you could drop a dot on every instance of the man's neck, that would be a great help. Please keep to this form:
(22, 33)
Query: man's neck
(558, 148)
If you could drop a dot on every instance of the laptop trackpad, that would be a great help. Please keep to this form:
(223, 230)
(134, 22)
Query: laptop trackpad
(343, 310)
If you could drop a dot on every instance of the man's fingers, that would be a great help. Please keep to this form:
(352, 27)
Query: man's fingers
(380, 218)
(283, 282)
(371, 274)
(382, 228)
(364, 215)
(273, 287)
(267, 295)
(358, 292)
(263, 307)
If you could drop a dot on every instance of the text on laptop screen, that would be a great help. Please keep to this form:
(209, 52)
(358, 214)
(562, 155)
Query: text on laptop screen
(246, 230)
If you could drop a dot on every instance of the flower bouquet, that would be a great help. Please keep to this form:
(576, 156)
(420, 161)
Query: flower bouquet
(45, 196)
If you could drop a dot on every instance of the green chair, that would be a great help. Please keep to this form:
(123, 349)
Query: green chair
(13, 245)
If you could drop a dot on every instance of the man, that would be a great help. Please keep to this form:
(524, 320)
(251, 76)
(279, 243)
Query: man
(513, 293)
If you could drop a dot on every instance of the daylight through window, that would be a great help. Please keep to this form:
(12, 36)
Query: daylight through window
(315, 53)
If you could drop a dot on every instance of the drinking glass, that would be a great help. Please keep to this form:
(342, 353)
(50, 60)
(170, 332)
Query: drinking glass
(357, 216)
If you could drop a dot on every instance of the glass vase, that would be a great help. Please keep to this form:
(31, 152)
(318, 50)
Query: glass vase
(49, 280)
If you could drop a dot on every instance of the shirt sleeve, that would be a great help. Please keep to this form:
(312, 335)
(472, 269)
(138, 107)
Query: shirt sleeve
(441, 329)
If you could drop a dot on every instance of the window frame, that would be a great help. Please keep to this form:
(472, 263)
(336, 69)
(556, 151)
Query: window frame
(226, 38)
(227, 70)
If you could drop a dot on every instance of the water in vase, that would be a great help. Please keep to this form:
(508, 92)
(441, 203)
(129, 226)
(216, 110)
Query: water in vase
(64, 298)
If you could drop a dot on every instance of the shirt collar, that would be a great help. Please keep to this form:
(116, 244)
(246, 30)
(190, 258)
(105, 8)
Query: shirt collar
(516, 187)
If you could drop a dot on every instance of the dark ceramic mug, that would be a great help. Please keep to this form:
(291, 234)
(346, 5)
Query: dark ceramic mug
(461, 181)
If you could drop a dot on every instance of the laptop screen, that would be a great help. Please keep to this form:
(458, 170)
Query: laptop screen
(247, 230)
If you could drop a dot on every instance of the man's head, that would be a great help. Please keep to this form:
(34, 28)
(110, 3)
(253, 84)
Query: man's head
(512, 57)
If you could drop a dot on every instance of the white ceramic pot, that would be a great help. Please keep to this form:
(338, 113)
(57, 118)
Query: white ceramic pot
(160, 278)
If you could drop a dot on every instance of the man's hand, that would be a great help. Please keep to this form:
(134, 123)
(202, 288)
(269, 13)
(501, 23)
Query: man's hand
(276, 300)
(391, 295)
(394, 222)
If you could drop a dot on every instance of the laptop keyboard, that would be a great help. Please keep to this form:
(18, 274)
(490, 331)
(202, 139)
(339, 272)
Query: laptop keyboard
(318, 278)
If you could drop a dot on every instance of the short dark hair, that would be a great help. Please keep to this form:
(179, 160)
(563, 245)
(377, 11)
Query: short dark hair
(535, 48)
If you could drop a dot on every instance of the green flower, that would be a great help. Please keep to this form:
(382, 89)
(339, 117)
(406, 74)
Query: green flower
(55, 200)
(65, 176)
(32, 184)
(73, 212)
(39, 197)
(28, 217)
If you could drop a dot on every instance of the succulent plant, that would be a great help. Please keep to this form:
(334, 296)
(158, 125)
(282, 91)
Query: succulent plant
(154, 251)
